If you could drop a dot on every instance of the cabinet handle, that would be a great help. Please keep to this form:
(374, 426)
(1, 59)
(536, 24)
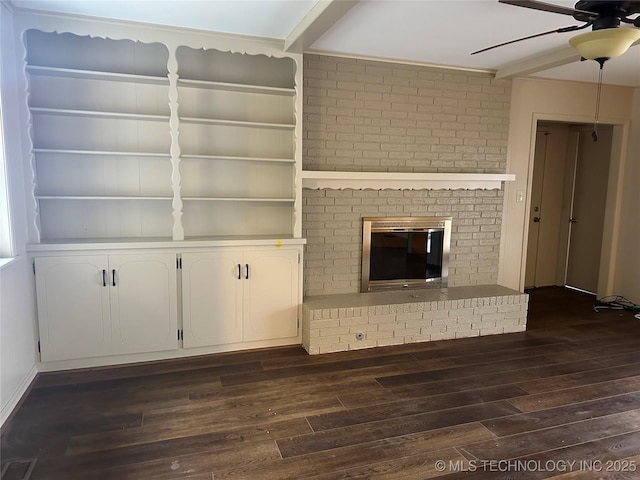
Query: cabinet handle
(104, 277)
(247, 265)
(239, 272)
(113, 276)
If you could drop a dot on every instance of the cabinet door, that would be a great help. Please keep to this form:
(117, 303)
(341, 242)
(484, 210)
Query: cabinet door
(144, 313)
(271, 295)
(212, 298)
(73, 307)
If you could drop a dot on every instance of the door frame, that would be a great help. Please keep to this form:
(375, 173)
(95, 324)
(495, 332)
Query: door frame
(534, 99)
(613, 200)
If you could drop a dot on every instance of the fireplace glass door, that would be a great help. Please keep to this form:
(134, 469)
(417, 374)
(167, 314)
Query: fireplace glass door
(405, 253)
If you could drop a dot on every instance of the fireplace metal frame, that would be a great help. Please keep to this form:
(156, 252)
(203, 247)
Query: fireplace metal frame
(403, 224)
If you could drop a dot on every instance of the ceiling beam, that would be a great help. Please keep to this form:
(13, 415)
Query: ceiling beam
(539, 62)
(315, 23)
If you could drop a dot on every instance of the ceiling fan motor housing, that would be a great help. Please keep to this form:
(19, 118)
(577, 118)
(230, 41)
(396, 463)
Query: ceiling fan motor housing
(606, 14)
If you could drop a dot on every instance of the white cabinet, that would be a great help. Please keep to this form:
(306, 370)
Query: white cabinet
(240, 295)
(97, 305)
(211, 298)
(144, 312)
(73, 307)
(270, 294)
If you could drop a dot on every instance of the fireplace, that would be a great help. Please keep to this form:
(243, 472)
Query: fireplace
(405, 252)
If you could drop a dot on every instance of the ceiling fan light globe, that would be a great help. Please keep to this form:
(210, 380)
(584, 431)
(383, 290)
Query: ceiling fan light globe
(606, 43)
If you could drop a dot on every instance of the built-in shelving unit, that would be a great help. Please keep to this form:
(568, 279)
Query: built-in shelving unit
(134, 140)
(237, 165)
(100, 132)
(149, 148)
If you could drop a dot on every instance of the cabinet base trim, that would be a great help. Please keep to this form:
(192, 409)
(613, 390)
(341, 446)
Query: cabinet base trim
(167, 355)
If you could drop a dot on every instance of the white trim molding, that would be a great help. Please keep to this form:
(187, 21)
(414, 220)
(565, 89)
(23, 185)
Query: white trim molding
(18, 393)
(403, 181)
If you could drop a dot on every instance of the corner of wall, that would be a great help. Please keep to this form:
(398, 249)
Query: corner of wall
(627, 273)
(18, 321)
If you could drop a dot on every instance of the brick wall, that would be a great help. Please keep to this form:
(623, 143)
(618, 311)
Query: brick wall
(375, 116)
(362, 115)
(340, 328)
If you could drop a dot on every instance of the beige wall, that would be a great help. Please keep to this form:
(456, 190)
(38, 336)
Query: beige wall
(362, 115)
(627, 277)
(537, 99)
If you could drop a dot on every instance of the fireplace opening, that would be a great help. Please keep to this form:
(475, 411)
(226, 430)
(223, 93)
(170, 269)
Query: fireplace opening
(405, 252)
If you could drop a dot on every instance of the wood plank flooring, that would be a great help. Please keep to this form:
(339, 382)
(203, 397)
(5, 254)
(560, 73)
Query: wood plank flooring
(560, 401)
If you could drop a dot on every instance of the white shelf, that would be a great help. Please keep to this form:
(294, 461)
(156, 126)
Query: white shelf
(126, 243)
(100, 153)
(237, 159)
(236, 87)
(403, 181)
(240, 199)
(95, 75)
(100, 197)
(217, 149)
(237, 123)
(98, 114)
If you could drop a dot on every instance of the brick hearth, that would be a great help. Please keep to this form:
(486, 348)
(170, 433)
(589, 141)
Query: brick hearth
(332, 323)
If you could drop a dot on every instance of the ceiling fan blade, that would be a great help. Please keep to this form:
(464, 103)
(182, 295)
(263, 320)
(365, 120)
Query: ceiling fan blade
(546, 7)
(557, 30)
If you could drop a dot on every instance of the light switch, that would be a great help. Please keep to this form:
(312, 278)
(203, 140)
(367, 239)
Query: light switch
(519, 196)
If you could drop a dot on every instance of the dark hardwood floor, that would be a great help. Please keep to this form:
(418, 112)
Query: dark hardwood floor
(559, 401)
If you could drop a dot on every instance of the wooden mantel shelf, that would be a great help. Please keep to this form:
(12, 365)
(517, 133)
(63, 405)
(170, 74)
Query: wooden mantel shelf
(403, 181)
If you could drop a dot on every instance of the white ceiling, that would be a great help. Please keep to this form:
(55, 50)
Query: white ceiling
(440, 32)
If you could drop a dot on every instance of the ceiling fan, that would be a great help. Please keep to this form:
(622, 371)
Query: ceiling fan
(605, 41)
(598, 14)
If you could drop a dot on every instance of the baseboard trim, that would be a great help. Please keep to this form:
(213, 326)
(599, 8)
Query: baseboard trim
(18, 395)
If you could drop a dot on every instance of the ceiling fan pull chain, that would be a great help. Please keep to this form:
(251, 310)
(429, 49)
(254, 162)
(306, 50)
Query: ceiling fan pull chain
(594, 134)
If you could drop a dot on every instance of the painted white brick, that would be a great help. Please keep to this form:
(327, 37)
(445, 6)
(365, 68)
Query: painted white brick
(358, 345)
(481, 310)
(467, 333)
(327, 332)
(332, 348)
(403, 317)
(515, 328)
(328, 340)
(462, 320)
(393, 117)
(363, 328)
(384, 342)
(327, 323)
(435, 315)
(423, 323)
(507, 322)
(491, 330)
(350, 321)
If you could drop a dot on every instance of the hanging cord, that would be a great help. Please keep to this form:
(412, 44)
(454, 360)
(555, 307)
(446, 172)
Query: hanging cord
(594, 134)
